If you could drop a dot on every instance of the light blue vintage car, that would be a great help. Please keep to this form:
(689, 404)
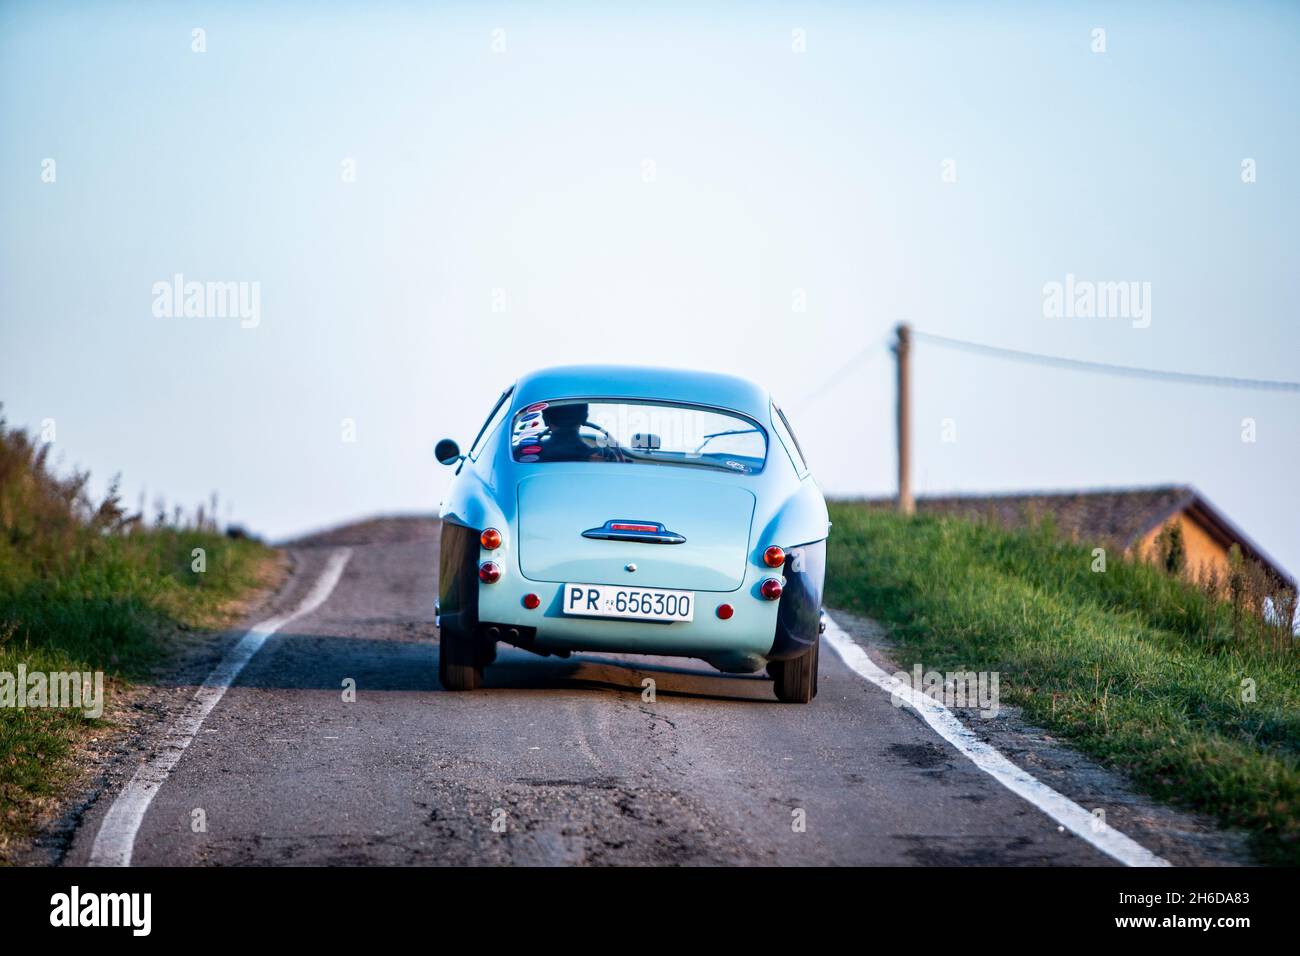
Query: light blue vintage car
(633, 510)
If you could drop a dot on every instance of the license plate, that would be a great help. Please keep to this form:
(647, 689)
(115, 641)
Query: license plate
(642, 604)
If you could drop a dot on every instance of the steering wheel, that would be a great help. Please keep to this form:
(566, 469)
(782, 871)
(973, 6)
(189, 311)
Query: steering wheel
(611, 451)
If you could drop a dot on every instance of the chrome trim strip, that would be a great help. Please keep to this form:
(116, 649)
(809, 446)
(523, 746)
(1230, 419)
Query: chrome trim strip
(649, 537)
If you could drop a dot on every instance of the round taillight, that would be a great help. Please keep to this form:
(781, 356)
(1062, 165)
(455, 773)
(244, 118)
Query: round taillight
(725, 611)
(489, 572)
(531, 601)
(490, 539)
(770, 589)
(774, 557)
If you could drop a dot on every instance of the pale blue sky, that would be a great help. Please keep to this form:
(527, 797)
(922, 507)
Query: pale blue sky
(524, 171)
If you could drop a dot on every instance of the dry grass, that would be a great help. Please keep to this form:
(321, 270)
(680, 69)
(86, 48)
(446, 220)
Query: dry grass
(85, 586)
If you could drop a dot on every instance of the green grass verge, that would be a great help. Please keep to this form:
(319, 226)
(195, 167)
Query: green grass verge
(1136, 668)
(110, 602)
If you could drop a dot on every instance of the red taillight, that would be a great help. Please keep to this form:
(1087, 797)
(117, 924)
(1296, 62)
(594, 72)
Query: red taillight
(770, 589)
(490, 539)
(531, 601)
(625, 526)
(774, 557)
(489, 572)
(725, 611)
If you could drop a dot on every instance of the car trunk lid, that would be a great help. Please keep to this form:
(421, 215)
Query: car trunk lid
(713, 517)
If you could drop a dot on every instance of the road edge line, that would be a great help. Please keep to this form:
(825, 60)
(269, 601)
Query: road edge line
(989, 759)
(115, 841)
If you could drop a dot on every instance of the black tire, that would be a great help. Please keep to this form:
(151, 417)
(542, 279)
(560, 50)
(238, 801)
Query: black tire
(796, 679)
(460, 666)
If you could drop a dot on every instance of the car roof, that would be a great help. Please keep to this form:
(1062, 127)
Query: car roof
(643, 382)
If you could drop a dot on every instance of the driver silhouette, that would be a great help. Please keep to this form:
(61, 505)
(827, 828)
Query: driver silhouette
(562, 441)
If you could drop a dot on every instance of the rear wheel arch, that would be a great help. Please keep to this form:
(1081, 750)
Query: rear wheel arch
(798, 616)
(462, 653)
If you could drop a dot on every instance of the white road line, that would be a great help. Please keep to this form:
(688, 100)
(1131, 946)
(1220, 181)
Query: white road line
(116, 838)
(1060, 808)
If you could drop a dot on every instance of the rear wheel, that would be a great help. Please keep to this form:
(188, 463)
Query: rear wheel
(796, 678)
(460, 666)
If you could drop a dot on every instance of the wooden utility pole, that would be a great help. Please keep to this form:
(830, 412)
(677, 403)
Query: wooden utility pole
(903, 354)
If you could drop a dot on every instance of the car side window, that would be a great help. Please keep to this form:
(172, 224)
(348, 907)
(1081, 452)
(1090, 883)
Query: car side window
(786, 434)
(490, 426)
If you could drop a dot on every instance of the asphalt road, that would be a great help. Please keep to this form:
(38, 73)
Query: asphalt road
(557, 761)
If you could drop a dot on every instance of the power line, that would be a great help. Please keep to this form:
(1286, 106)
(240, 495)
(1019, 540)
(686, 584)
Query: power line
(1105, 368)
(838, 374)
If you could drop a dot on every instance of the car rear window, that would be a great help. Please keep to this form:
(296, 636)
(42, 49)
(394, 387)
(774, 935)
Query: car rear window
(638, 433)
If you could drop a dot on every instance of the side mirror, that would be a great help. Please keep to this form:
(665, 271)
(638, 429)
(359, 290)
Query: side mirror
(447, 452)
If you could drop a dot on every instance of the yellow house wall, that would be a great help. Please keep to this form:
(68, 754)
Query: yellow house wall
(1202, 550)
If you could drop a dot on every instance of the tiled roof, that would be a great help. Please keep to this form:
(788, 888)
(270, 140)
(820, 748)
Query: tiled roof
(1115, 517)
(1119, 516)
